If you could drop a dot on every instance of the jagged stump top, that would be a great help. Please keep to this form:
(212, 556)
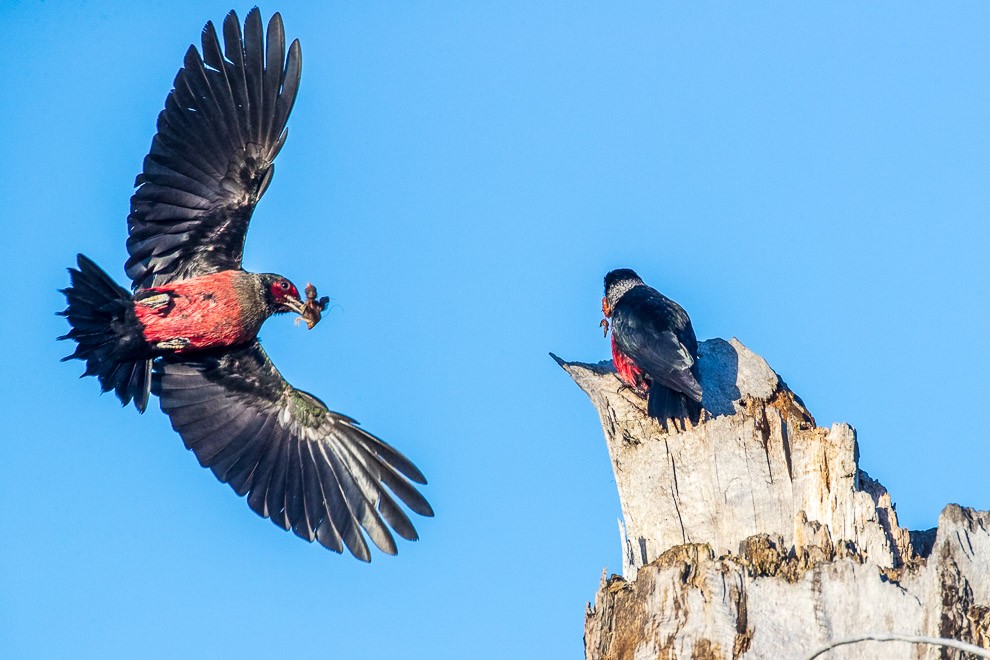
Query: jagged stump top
(756, 464)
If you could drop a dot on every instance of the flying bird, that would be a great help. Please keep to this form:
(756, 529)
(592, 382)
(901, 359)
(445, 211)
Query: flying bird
(187, 331)
(654, 347)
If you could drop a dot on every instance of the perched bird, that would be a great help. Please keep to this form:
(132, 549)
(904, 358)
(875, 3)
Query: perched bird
(187, 332)
(653, 347)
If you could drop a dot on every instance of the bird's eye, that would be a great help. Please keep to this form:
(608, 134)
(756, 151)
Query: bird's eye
(284, 285)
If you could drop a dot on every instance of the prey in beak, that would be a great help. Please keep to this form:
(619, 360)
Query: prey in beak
(607, 311)
(312, 310)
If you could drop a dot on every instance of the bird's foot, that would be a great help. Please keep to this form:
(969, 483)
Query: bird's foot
(637, 390)
(155, 301)
(177, 344)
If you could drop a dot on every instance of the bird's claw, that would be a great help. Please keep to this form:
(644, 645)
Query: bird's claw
(176, 344)
(604, 327)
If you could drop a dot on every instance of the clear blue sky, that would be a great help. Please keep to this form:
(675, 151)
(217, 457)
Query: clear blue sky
(459, 177)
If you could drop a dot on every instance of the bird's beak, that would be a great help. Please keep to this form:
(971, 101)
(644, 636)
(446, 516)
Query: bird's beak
(295, 304)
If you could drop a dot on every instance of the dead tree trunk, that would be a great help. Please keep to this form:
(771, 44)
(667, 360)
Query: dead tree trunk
(755, 534)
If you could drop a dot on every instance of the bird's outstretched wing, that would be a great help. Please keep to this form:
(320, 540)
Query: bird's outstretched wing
(310, 470)
(659, 339)
(211, 160)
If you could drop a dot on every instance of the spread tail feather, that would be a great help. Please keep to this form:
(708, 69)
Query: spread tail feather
(108, 335)
(664, 403)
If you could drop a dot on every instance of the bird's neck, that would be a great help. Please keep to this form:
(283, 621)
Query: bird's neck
(619, 289)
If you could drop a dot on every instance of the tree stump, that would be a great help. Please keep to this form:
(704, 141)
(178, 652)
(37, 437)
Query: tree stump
(755, 534)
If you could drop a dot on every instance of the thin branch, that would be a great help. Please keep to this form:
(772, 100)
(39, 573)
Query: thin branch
(914, 639)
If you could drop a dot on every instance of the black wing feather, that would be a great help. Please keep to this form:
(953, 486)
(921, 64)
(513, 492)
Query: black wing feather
(212, 158)
(254, 68)
(261, 476)
(241, 474)
(275, 504)
(366, 486)
(306, 468)
(233, 50)
(241, 442)
(397, 519)
(312, 491)
(295, 487)
(274, 57)
(348, 525)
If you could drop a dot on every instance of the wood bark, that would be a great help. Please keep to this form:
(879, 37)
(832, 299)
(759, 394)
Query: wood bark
(755, 534)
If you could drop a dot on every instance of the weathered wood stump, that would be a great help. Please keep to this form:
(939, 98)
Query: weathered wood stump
(755, 534)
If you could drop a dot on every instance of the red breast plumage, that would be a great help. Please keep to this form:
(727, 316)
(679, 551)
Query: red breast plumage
(207, 311)
(629, 373)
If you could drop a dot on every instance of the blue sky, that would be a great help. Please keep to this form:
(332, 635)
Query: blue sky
(459, 177)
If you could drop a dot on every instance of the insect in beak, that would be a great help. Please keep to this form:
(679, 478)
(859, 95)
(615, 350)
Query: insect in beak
(607, 311)
(312, 310)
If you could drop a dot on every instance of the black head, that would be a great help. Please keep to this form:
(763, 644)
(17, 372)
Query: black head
(280, 294)
(617, 282)
(618, 275)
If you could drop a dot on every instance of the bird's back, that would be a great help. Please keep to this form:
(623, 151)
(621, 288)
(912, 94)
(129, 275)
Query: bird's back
(645, 305)
(656, 334)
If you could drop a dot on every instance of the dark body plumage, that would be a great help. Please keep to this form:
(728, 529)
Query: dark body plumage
(188, 331)
(653, 346)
